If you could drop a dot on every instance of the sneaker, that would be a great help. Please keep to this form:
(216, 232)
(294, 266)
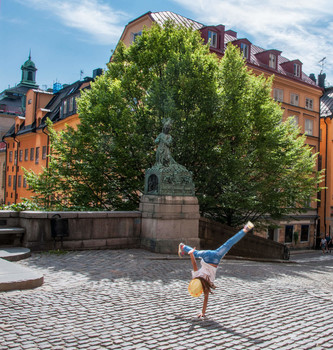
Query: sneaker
(181, 252)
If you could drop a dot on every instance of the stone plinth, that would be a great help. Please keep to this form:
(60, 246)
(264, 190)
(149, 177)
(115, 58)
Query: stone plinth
(168, 220)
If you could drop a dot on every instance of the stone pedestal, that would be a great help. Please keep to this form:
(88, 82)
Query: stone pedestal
(169, 220)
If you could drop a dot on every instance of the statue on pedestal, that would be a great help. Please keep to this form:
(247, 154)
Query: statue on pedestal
(167, 177)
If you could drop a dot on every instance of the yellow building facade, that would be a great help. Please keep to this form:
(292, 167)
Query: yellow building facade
(297, 93)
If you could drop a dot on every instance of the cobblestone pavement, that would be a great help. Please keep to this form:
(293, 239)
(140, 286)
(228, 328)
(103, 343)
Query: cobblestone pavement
(134, 299)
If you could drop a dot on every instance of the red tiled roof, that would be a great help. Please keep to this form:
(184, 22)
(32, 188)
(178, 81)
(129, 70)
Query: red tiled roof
(161, 17)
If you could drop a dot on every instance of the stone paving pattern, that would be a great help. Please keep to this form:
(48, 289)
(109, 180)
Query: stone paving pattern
(134, 299)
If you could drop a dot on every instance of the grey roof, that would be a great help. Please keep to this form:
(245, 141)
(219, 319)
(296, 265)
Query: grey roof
(163, 16)
(326, 103)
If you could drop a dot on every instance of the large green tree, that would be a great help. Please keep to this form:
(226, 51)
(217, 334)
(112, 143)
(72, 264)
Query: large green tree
(227, 130)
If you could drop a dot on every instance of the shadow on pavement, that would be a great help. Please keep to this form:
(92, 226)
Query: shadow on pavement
(213, 325)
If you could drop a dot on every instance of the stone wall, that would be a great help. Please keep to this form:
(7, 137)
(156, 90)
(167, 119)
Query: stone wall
(116, 230)
(86, 230)
(213, 234)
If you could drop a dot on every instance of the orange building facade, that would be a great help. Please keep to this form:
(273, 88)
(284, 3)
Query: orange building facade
(298, 94)
(326, 152)
(28, 141)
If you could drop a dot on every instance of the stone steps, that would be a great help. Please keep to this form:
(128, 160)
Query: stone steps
(11, 236)
(14, 276)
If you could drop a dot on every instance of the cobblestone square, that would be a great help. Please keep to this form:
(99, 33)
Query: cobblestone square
(134, 299)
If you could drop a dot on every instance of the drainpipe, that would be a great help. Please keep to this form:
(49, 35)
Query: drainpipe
(16, 166)
(325, 204)
(5, 185)
(47, 146)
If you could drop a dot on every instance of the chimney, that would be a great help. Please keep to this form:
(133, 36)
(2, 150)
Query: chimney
(321, 80)
(313, 77)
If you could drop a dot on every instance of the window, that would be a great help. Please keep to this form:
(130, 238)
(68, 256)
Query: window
(297, 70)
(15, 157)
(288, 233)
(26, 154)
(304, 233)
(278, 95)
(295, 119)
(19, 181)
(61, 111)
(44, 152)
(294, 99)
(65, 107)
(309, 103)
(14, 182)
(245, 50)
(21, 155)
(10, 156)
(272, 61)
(308, 127)
(37, 155)
(212, 36)
(9, 180)
(29, 101)
(24, 182)
(32, 151)
(136, 35)
(270, 233)
(70, 107)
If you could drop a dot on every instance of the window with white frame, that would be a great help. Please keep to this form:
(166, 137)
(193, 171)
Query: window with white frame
(272, 61)
(297, 70)
(295, 119)
(309, 103)
(308, 126)
(212, 36)
(245, 50)
(278, 95)
(294, 99)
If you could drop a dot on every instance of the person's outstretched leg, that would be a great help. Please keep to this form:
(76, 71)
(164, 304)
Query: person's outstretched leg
(223, 250)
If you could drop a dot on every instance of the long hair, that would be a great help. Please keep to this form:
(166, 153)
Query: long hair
(206, 285)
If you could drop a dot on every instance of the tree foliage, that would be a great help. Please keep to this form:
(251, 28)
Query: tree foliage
(227, 130)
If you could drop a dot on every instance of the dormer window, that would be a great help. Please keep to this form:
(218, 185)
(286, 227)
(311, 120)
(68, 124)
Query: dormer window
(272, 61)
(297, 70)
(245, 50)
(212, 36)
(65, 107)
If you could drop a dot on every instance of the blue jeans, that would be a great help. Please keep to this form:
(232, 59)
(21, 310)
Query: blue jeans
(215, 256)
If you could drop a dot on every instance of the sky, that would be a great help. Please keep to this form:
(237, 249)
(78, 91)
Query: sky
(69, 36)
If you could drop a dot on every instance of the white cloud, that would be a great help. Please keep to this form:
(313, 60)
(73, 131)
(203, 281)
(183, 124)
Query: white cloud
(299, 28)
(102, 23)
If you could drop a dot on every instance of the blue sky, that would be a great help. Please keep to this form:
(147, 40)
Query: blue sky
(67, 36)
